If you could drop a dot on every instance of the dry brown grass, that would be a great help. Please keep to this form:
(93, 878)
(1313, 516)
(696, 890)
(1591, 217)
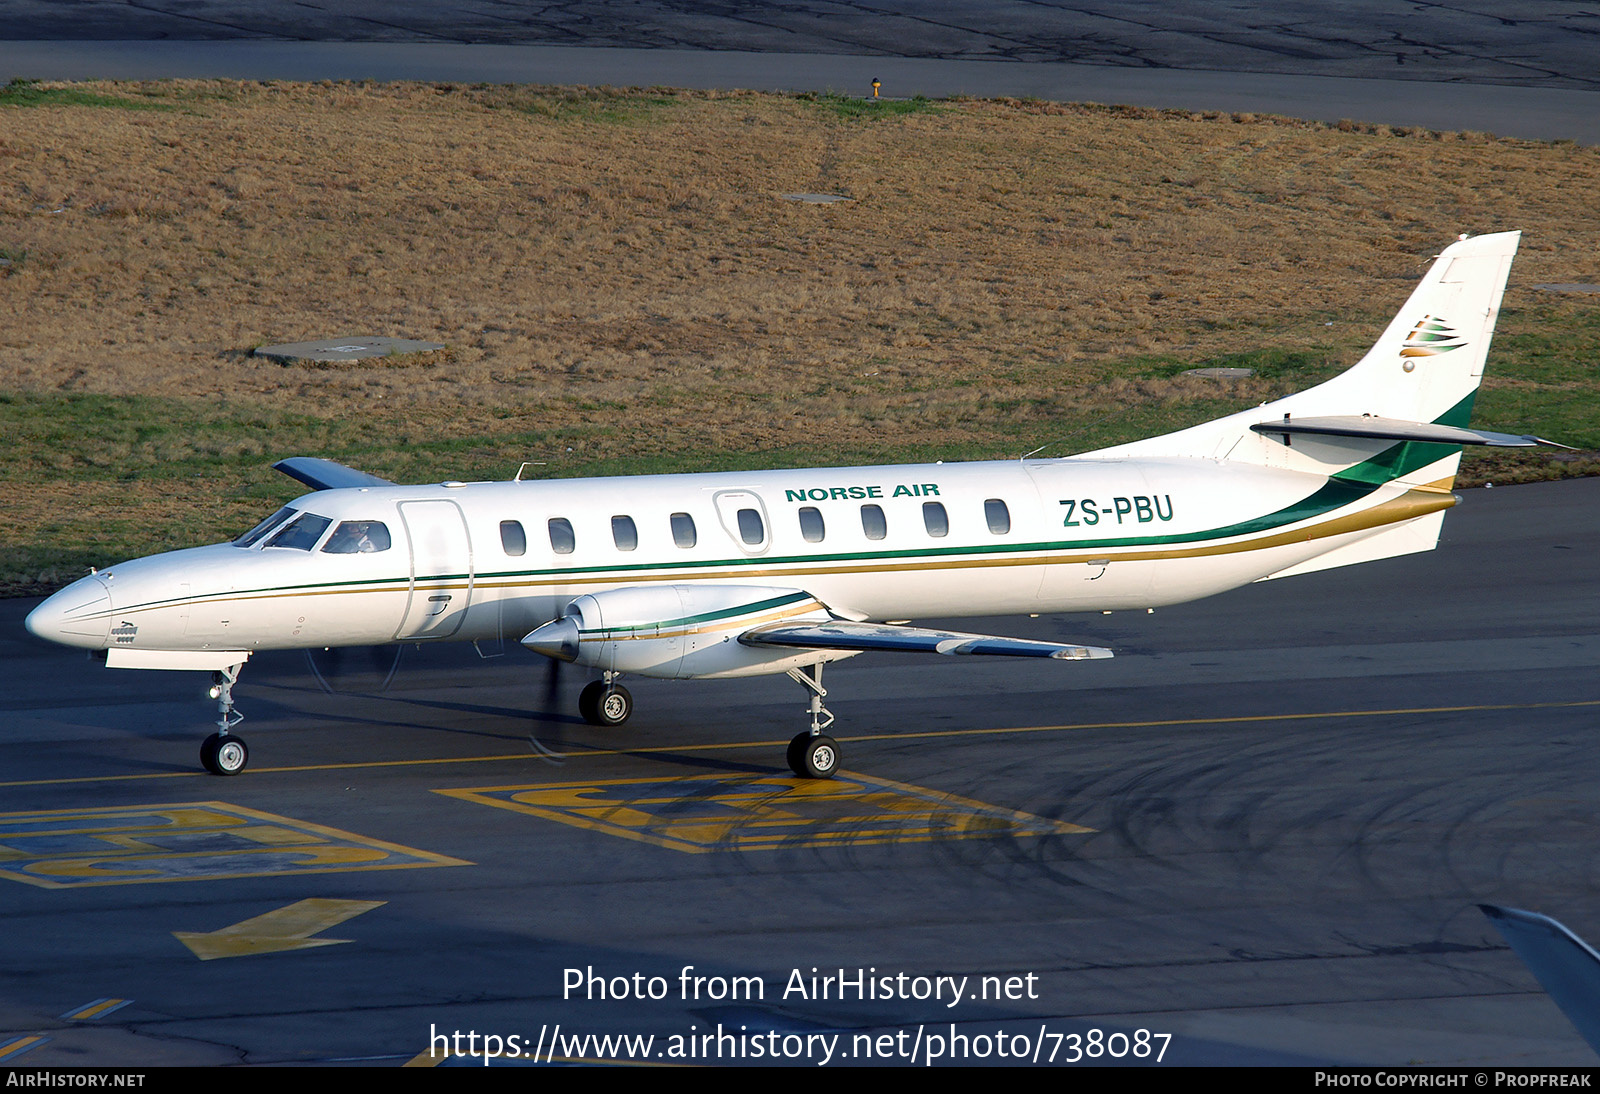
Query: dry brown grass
(595, 259)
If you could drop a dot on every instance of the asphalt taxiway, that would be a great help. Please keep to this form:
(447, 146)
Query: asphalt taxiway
(1461, 66)
(1263, 829)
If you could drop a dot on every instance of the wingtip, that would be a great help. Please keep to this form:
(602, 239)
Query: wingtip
(1082, 653)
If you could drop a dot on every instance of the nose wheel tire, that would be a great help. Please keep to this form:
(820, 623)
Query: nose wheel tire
(224, 755)
(814, 756)
(601, 705)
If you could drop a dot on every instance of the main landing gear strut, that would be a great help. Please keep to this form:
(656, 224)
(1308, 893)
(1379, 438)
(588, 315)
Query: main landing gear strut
(814, 754)
(224, 753)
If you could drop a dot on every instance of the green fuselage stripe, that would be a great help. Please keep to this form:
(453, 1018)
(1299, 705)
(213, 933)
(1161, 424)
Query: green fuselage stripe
(1345, 488)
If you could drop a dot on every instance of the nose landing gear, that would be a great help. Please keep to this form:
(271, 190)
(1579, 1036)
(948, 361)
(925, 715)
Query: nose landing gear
(225, 753)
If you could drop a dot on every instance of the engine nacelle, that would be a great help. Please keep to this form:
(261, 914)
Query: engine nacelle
(679, 632)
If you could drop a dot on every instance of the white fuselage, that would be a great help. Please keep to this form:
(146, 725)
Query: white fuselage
(489, 560)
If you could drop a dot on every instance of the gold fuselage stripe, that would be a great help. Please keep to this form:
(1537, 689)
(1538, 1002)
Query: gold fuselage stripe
(1418, 501)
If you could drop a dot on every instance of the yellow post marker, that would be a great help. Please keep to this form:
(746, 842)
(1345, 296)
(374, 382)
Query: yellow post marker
(288, 928)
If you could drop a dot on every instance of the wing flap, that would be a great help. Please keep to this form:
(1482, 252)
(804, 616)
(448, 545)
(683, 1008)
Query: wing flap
(842, 634)
(1391, 429)
(320, 474)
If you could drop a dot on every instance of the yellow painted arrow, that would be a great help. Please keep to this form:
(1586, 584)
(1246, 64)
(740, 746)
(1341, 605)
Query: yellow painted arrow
(288, 928)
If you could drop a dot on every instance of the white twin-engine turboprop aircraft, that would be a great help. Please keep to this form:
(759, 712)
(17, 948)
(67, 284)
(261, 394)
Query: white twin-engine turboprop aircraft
(739, 574)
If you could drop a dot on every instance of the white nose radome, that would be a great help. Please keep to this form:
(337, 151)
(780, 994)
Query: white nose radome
(79, 615)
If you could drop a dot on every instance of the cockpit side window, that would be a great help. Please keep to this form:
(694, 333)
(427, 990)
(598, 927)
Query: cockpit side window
(250, 538)
(302, 533)
(358, 537)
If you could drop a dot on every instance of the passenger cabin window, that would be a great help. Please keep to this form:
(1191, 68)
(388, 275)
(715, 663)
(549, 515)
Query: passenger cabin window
(811, 526)
(358, 537)
(998, 516)
(250, 538)
(935, 519)
(683, 533)
(873, 522)
(302, 533)
(751, 528)
(624, 533)
(513, 539)
(562, 541)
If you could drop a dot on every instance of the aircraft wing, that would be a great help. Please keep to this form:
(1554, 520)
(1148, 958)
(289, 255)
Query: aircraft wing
(841, 634)
(1566, 966)
(322, 474)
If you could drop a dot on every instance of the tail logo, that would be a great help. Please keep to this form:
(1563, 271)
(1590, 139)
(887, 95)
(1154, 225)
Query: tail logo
(1429, 337)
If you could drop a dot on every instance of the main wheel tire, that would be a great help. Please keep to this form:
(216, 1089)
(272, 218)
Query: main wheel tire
(819, 757)
(797, 754)
(605, 705)
(588, 699)
(224, 755)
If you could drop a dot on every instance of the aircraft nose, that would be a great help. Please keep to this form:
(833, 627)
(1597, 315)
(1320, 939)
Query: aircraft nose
(79, 615)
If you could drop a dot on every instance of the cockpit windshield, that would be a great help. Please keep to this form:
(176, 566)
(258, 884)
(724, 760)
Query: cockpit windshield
(250, 538)
(302, 533)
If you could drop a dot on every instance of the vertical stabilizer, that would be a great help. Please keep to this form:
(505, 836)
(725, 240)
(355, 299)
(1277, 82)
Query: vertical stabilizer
(1426, 367)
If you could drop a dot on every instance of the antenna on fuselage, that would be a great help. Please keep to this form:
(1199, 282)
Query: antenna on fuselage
(525, 465)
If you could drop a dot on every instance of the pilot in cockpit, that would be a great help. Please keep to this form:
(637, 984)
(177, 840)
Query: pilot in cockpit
(358, 537)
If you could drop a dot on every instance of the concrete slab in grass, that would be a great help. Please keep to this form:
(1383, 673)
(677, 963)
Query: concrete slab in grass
(1216, 373)
(353, 348)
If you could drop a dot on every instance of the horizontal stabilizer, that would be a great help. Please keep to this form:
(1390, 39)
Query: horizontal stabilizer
(322, 474)
(1566, 965)
(1389, 429)
(842, 634)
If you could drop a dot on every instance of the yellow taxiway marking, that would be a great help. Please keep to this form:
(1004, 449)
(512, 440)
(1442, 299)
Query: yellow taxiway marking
(287, 928)
(183, 841)
(97, 1009)
(18, 1045)
(750, 812)
(906, 735)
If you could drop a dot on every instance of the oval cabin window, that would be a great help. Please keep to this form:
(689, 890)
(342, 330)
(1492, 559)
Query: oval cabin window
(998, 516)
(873, 522)
(562, 541)
(512, 538)
(811, 527)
